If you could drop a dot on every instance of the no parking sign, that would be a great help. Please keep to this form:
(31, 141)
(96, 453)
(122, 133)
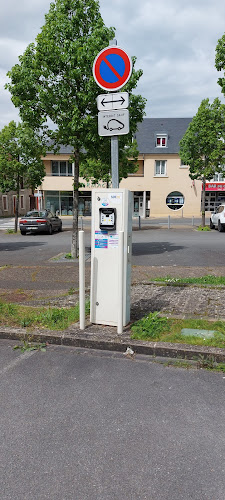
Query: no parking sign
(112, 68)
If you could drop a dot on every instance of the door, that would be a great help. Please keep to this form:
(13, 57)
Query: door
(136, 206)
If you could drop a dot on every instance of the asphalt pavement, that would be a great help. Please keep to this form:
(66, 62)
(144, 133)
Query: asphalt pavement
(81, 424)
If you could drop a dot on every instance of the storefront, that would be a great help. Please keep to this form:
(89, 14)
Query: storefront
(214, 195)
(61, 202)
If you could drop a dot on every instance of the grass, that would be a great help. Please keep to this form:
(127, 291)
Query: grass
(50, 318)
(207, 363)
(202, 280)
(154, 327)
(205, 228)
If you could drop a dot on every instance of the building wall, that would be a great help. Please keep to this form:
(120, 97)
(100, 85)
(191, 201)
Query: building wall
(176, 178)
(7, 203)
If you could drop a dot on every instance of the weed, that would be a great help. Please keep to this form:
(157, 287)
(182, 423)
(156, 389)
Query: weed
(4, 267)
(25, 322)
(206, 362)
(68, 256)
(71, 291)
(177, 363)
(150, 327)
(220, 367)
(10, 231)
(29, 346)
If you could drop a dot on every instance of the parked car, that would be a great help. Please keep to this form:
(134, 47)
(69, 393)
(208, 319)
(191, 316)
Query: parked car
(217, 219)
(37, 221)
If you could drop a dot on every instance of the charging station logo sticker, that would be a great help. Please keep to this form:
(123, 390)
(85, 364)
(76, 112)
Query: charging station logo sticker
(101, 239)
(105, 202)
(116, 198)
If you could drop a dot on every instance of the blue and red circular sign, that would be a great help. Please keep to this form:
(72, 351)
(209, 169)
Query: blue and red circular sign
(112, 68)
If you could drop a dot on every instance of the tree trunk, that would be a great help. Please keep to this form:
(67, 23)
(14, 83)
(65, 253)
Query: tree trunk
(17, 206)
(74, 244)
(203, 201)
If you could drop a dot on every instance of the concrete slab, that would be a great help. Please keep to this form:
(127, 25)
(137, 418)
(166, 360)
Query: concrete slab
(205, 334)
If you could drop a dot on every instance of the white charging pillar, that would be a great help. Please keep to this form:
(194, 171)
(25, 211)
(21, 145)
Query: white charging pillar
(111, 215)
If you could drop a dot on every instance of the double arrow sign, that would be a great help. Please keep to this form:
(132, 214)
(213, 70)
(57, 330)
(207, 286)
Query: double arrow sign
(113, 116)
(107, 102)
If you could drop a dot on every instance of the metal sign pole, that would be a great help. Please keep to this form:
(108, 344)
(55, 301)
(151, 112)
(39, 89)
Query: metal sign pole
(114, 150)
(115, 161)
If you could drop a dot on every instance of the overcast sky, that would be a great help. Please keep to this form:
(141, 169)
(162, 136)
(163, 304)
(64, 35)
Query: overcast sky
(174, 42)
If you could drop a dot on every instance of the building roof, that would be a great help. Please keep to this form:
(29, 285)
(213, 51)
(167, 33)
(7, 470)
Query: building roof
(174, 128)
(63, 150)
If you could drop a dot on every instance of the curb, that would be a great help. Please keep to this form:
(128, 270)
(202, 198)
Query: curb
(154, 349)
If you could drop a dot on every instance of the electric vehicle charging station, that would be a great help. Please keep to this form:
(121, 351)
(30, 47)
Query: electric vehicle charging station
(111, 260)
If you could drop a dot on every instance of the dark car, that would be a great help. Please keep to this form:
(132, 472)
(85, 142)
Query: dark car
(37, 221)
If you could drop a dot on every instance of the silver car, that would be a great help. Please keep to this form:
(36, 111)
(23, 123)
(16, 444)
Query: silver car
(37, 221)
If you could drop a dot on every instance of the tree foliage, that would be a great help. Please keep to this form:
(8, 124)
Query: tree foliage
(202, 146)
(220, 61)
(20, 159)
(53, 80)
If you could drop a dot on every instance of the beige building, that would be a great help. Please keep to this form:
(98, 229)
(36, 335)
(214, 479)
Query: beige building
(160, 187)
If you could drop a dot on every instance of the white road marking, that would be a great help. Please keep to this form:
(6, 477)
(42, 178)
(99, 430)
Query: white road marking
(17, 361)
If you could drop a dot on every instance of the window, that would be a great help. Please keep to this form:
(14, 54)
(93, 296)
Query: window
(22, 201)
(161, 141)
(5, 202)
(182, 165)
(218, 177)
(160, 168)
(62, 168)
(175, 200)
(14, 203)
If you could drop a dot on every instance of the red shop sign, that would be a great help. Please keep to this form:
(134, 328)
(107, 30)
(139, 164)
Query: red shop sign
(214, 186)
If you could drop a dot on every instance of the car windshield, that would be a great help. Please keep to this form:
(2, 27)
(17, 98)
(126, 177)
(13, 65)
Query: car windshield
(36, 213)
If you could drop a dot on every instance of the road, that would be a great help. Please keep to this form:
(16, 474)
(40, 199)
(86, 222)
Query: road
(155, 246)
(79, 425)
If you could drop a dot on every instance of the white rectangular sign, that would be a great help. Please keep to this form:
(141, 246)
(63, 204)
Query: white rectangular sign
(113, 122)
(108, 102)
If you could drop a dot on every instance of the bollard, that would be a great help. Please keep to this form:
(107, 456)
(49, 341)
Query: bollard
(168, 221)
(82, 279)
(139, 222)
(193, 220)
(120, 283)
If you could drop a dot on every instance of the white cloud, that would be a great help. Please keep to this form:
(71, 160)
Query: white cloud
(174, 43)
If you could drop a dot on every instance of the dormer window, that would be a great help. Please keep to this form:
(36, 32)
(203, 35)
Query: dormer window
(161, 140)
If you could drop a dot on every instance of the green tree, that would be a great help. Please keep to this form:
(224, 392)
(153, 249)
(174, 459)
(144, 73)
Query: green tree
(53, 80)
(20, 160)
(202, 146)
(220, 61)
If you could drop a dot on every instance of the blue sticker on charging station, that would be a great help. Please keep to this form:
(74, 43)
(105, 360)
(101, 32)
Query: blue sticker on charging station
(101, 239)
